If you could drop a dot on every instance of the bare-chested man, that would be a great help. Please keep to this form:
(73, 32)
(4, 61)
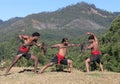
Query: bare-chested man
(60, 56)
(23, 51)
(96, 54)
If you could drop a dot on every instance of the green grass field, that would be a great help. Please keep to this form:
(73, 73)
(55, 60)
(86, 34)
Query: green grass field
(18, 76)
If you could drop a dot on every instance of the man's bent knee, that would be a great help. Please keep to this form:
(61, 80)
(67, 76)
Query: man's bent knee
(70, 61)
(87, 61)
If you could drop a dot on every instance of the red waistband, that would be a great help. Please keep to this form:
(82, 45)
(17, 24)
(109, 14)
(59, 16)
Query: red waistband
(95, 52)
(23, 49)
(60, 57)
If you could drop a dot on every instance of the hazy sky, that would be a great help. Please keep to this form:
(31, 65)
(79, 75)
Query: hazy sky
(22, 8)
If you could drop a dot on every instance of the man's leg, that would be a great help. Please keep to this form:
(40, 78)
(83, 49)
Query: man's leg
(35, 59)
(46, 66)
(13, 63)
(87, 64)
(101, 66)
(70, 64)
(99, 62)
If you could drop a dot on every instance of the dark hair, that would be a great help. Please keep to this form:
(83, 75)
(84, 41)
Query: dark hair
(35, 34)
(90, 37)
(64, 40)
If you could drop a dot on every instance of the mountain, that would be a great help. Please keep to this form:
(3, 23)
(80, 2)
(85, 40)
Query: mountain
(1, 21)
(69, 21)
(80, 16)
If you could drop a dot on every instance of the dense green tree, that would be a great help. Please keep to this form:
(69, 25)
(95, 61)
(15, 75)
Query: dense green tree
(110, 46)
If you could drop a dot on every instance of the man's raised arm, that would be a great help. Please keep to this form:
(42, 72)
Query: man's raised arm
(22, 37)
(89, 33)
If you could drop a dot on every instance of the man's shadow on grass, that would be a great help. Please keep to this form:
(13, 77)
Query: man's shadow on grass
(27, 70)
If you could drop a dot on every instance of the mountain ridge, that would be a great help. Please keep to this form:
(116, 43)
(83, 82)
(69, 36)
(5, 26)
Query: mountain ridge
(79, 17)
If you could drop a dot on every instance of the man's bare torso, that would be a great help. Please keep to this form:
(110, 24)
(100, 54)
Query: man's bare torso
(62, 49)
(95, 46)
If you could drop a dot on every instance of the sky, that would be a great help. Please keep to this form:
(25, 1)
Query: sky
(21, 8)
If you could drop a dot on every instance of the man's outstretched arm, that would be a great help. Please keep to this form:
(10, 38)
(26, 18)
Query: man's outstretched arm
(72, 45)
(55, 46)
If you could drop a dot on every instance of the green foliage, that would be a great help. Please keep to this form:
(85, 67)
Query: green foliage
(110, 47)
